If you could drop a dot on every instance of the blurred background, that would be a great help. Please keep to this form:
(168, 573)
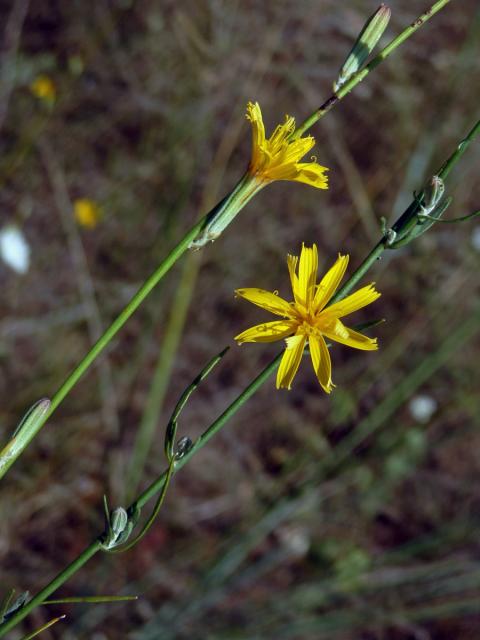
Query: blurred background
(350, 516)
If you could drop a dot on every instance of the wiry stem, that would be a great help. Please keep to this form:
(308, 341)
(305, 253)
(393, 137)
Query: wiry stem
(358, 77)
(15, 447)
(159, 484)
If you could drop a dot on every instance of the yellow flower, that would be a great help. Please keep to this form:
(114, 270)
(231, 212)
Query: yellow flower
(44, 88)
(308, 319)
(87, 213)
(278, 158)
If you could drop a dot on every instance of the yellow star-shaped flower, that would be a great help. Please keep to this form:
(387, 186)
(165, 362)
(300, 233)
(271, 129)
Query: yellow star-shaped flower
(278, 158)
(308, 319)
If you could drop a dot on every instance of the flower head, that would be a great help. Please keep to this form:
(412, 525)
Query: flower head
(87, 213)
(307, 319)
(44, 88)
(278, 158)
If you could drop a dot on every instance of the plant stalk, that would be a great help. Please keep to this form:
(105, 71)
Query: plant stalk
(246, 394)
(15, 447)
(360, 75)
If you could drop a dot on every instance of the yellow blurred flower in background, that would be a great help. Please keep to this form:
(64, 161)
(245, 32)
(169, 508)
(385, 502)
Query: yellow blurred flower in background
(44, 88)
(308, 320)
(87, 213)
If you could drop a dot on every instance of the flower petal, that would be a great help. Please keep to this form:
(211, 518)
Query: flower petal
(254, 114)
(307, 274)
(290, 361)
(296, 149)
(322, 364)
(340, 333)
(330, 282)
(278, 157)
(358, 300)
(292, 262)
(312, 174)
(267, 300)
(267, 331)
(278, 139)
(280, 171)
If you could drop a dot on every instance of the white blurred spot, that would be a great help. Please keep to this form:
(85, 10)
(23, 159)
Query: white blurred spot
(422, 407)
(295, 539)
(14, 249)
(475, 238)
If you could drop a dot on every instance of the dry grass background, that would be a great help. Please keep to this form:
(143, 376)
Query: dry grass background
(258, 538)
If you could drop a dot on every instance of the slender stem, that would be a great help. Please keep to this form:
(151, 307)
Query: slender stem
(215, 427)
(7, 456)
(153, 516)
(157, 486)
(358, 77)
(358, 274)
(90, 599)
(131, 307)
(459, 151)
(57, 582)
(409, 216)
(157, 392)
(44, 627)
(15, 447)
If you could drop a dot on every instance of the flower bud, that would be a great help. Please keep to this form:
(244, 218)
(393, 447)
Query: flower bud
(119, 521)
(364, 45)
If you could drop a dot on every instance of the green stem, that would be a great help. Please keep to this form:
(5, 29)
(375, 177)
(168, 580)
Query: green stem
(409, 217)
(161, 376)
(17, 445)
(153, 516)
(154, 488)
(57, 582)
(459, 151)
(215, 427)
(91, 600)
(212, 430)
(360, 271)
(210, 226)
(358, 77)
(43, 628)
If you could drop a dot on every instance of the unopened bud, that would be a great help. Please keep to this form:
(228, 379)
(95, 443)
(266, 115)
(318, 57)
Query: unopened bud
(432, 194)
(364, 45)
(183, 447)
(119, 521)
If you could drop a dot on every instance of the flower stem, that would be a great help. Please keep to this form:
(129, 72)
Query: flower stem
(358, 77)
(44, 627)
(42, 595)
(409, 217)
(154, 488)
(214, 428)
(207, 227)
(17, 445)
(406, 219)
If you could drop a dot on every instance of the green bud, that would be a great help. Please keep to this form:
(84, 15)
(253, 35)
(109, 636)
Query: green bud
(119, 521)
(32, 417)
(119, 528)
(432, 194)
(364, 45)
